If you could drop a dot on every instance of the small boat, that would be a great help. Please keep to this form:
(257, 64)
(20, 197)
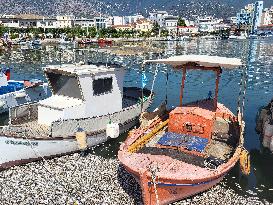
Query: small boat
(36, 42)
(180, 152)
(14, 93)
(88, 106)
(64, 41)
(88, 41)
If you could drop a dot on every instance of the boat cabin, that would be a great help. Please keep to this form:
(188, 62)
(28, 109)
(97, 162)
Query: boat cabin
(197, 119)
(81, 91)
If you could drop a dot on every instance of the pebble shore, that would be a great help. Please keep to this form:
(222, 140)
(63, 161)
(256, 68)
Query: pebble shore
(92, 179)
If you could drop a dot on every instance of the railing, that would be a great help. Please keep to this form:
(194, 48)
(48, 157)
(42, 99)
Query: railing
(23, 113)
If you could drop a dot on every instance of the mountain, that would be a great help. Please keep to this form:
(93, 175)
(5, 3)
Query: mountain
(186, 8)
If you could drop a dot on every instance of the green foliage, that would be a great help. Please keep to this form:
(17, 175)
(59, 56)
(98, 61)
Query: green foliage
(181, 22)
(164, 33)
(155, 28)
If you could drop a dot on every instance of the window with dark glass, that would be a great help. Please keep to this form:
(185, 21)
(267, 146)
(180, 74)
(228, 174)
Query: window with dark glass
(102, 86)
(66, 85)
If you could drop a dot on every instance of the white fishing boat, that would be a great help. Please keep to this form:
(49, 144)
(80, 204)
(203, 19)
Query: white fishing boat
(88, 106)
(14, 93)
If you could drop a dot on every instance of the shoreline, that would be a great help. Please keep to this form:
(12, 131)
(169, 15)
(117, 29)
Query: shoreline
(91, 180)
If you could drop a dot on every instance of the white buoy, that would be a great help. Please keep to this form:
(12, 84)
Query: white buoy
(112, 130)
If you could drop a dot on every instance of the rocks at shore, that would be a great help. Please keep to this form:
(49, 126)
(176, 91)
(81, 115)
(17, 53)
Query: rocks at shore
(92, 179)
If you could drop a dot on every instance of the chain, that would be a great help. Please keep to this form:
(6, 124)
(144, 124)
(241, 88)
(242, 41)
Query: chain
(242, 94)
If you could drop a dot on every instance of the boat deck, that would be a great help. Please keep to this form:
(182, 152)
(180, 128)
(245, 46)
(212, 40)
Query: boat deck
(29, 128)
(220, 148)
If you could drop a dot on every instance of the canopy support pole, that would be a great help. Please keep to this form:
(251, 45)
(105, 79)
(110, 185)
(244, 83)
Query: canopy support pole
(218, 72)
(182, 85)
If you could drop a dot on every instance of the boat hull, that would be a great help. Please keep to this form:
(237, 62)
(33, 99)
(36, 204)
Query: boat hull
(15, 151)
(167, 191)
(168, 174)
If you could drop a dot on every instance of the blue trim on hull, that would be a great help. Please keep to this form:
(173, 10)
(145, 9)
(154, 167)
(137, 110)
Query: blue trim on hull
(174, 185)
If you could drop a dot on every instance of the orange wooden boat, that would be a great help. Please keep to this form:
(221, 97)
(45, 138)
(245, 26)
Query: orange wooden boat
(189, 149)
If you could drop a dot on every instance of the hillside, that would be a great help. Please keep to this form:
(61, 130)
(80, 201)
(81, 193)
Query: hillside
(187, 8)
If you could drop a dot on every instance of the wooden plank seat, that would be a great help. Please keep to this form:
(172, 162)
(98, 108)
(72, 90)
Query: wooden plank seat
(188, 142)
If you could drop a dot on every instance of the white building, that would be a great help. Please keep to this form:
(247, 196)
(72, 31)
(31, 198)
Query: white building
(28, 21)
(132, 19)
(9, 21)
(143, 25)
(118, 20)
(158, 17)
(84, 22)
(65, 21)
(208, 24)
(170, 24)
(267, 16)
(187, 30)
(100, 22)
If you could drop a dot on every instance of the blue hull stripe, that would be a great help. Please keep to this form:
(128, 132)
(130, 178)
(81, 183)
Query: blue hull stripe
(172, 185)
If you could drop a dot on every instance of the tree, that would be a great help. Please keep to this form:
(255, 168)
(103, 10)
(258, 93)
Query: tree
(164, 33)
(181, 22)
(155, 28)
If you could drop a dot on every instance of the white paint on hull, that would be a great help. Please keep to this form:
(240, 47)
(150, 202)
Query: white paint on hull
(18, 149)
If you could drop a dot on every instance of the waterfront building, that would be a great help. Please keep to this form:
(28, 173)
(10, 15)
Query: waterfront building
(187, 30)
(65, 21)
(123, 27)
(28, 21)
(267, 16)
(209, 24)
(158, 17)
(249, 18)
(100, 22)
(118, 20)
(84, 22)
(132, 19)
(170, 24)
(143, 25)
(257, 16)
(9, 21)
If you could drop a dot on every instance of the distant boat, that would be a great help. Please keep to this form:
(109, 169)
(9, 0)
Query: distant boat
(241, 37)
(64, 41)
(14, 93)
(89, 105)
(253, 36)
(88, 41)
(180, 152)
(36, 42)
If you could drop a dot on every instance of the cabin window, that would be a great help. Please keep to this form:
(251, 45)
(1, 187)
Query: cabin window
(66, 85)
(102, 86)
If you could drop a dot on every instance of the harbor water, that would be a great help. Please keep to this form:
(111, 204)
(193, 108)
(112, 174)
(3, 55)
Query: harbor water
(257, 55)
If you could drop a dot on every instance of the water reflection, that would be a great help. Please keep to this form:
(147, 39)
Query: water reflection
(28, 63)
